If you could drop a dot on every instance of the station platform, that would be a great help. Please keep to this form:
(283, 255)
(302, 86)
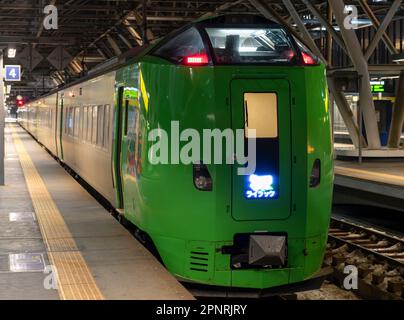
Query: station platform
(374, 182)
(53, 231)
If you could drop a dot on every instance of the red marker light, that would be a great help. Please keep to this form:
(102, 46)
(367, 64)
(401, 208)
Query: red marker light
(308, 59)
(20, 103)
(196, 60)
(289, 54)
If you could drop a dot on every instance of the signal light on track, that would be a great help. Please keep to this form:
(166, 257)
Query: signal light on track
(20, 101)
(197, 60)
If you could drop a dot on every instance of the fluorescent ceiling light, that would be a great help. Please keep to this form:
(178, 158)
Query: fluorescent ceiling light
(11, 53)
(398, 57)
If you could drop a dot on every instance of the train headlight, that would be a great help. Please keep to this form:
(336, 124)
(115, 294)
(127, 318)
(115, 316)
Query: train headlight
(202, 177)
(315, 177)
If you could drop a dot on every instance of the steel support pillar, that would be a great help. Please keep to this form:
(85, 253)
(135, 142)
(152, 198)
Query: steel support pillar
(397, 122)
(330, 38)
(133, 32)
(326, 23)
(355, 52)
(382, 29)
(303, 30)
(145, 39)
(114, 45)
(386, 39)
(265, 9)
(125, 41)
(345, 111)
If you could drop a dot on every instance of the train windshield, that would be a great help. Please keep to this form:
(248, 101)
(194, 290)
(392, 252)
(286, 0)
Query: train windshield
(188, 44)
(251, 45)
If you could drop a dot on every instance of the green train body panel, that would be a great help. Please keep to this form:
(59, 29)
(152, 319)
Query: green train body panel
(188, 226)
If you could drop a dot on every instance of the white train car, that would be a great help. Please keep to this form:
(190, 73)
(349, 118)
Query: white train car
(86, 131)
(76, 125)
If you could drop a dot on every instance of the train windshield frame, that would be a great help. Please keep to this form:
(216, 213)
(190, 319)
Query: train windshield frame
(270, 45)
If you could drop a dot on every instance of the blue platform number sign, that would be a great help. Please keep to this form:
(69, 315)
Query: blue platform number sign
(13, 73)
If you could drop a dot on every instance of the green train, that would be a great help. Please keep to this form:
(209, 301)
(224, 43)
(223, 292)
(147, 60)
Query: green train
(131, 131)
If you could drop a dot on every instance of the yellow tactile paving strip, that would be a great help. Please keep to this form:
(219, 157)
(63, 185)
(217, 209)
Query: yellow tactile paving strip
(370, 175)
(75, 281)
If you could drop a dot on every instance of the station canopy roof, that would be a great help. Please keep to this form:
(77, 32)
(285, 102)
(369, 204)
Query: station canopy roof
(90, 32)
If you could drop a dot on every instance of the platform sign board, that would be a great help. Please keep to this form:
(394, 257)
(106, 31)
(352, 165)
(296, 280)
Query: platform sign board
(12, 73)
(377, 86)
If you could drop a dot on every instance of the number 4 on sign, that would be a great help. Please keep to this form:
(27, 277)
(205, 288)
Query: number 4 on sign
(13, 73)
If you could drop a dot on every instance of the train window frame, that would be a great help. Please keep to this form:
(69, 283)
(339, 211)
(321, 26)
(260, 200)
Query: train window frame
(90, 124)
(77, 122)
(247, 113)
(94, 126)
(66, 112)
(81, 125)
(100, 126)
(85, 123)
(173, 36)
(71, 129)
(107, 115)
(69, 121)
(201, 25)
(294, 62)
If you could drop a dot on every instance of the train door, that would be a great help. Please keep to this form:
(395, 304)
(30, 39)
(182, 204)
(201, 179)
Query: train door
(263, 105)
(120, 138)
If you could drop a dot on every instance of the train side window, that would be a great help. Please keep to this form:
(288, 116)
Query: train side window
(90, 124)
(100, 125)
(107, 111)
(95, 118)
(81, 124)
(261, 114)
(186, 44)
(66, 120)
(72, 115)
(85, 123)
(69, 120)
(77, 122)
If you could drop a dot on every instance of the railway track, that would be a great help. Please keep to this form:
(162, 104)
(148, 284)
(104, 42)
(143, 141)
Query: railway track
(378, 256)
(380, 244)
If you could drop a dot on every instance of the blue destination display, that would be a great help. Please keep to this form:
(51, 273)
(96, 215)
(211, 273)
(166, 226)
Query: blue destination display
(261, 187)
